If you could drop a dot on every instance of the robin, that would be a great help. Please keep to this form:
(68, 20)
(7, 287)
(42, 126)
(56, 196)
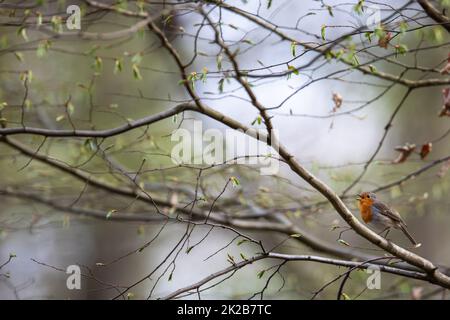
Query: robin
(379, 215)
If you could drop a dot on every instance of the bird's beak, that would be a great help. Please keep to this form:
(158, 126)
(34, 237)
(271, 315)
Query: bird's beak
(358, 197)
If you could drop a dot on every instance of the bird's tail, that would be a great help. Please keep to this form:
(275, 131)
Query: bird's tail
(410, 237)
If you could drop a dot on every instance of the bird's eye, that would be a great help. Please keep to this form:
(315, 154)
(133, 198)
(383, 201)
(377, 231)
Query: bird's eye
(368, 196)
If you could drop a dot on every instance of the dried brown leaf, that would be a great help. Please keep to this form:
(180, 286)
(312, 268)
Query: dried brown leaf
(405, 152)
(384, 41)
(425, 150)
(337, 99)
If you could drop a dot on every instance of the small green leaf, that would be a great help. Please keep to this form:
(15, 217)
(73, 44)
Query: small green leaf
(230, 259)
(42, 48)
(91, 144)
(110, 213)
(401, 49)
(168, 19)
(438, 34)
(23, 32)
(322, 31)
(343, 242)
(235, 181)
(204, 74)
(257, 120)
(345, 296)
(118, 65)
(220, 87)
(28, 104)
(39, 19)
(192, 78)
(334, 227)
(18, 55)
(60, 118)
(293, 69)
(219, 62)
(98, 64)
(329, 54)
(403, 26)
(136, 72)
(70, 107)
(293, 47)
(261, 274)
(379, 32)
(56, 22)
(359, 7)
(241, 241)
(137, 58)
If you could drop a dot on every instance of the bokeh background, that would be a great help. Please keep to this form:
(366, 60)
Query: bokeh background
(335, 148)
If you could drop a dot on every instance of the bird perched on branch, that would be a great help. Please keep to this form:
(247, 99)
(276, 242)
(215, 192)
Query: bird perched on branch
(379, 215)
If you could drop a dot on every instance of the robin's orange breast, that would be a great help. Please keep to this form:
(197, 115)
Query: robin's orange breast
(366, 212)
